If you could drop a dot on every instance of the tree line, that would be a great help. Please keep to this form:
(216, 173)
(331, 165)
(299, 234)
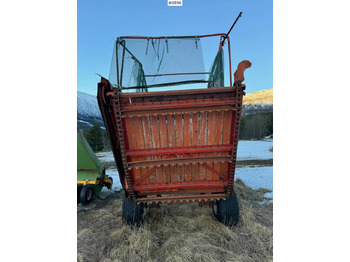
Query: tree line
(97, 138)
(256, 126)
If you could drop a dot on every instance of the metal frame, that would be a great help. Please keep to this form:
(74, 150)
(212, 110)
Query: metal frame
(120, 39)
(138, 191)
(116, 106)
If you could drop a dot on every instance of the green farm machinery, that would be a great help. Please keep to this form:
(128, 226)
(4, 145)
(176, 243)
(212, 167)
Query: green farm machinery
(91, 174)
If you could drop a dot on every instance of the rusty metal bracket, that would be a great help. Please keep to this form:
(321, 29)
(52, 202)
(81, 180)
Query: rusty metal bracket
(239, 74)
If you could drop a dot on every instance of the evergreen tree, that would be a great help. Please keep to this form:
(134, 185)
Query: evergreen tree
(95, 138)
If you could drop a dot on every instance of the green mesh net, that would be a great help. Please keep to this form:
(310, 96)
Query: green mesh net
(216, 77)
(143, 63)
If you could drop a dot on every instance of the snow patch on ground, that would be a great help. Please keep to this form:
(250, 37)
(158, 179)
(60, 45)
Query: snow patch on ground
(249, 150)
(105, 157)
(113, 172)
(256, 177)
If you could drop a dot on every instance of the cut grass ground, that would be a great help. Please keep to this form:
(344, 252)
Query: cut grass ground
(180, 232)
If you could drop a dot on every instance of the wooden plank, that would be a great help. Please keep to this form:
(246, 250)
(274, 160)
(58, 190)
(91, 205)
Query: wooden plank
(156, 144)
(202, 141)
(187, 142)
(179, 142)
(226, 138)
(219, 118)
(163, 143)
(211, 136)
(195, 129)
(171, 143)
(148, 143)
(140, 144)
(131, 135)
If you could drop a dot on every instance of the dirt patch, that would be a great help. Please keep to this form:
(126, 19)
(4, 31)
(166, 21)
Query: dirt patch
(180, 232)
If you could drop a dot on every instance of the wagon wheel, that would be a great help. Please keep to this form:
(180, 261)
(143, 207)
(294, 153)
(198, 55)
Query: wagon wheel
(131, 212)
(86, 195)
(79, 188)
(227, 211)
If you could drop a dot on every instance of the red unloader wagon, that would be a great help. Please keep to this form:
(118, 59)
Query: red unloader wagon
(173, 146)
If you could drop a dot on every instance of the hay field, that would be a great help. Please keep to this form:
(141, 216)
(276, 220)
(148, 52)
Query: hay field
(180, 232)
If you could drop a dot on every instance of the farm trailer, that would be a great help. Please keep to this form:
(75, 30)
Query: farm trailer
(91, 175)
(176, 146)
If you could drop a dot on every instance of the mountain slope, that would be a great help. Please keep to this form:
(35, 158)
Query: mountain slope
(258, 102)
(88, 111)
(259, 97)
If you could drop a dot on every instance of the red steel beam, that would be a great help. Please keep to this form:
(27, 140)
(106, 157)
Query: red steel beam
(182, 198)
(182, 104)
(170, 37)
(178, 110)
(180, 92)
(214, 170)
(211, 169)
(174, 161)
(179, 150)
(149, 172)
(194, 184)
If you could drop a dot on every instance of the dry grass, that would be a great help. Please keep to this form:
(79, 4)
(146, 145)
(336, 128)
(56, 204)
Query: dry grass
(259, 97)
(181, 232)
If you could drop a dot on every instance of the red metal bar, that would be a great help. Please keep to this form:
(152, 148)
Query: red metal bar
(163, 37)
(214, 170)
(179, 110)
(233, 123)
(126, 103)
(148, 173)
(177, 104)
(183, 198)
(131, 107)
(194, 184)
(179, 150)
(229, 57)
(174, 161)
(180, 92)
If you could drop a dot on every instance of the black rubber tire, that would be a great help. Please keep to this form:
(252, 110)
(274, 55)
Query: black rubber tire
(131, 212)
(86, 195)
(227, 211)
(79, 188)
(109, 185)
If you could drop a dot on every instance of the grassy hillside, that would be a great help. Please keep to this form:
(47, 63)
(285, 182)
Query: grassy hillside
(259, 97)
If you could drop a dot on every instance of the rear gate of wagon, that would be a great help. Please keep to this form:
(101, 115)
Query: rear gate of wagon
(178, 146)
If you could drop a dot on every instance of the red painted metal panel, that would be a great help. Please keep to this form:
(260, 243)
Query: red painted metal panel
(195, 128)
(155, 141)
(202, 141)
(171, 143)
